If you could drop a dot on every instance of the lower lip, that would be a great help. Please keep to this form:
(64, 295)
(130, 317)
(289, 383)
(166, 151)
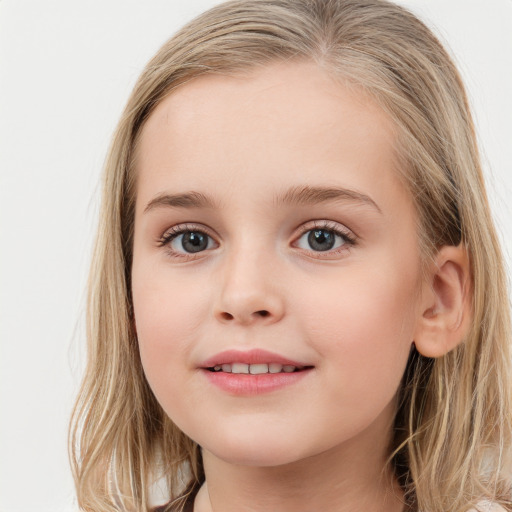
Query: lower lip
(247, 384)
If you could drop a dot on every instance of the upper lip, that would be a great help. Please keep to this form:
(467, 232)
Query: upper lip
(254, 356)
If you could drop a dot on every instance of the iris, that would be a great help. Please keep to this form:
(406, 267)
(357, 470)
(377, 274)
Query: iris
(194, 241)
(321, 239)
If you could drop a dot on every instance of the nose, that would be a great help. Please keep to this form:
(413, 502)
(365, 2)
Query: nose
(249, 291)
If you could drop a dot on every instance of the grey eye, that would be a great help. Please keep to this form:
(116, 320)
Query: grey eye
(191, 242)
(320, 240)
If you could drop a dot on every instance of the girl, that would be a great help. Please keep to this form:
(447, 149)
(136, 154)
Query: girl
(297, 300)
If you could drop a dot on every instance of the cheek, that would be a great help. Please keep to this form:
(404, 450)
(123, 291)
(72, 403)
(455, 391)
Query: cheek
(167, 322)
(363, 327)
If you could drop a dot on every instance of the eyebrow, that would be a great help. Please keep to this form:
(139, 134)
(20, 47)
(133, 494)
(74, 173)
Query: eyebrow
(185, 200)
(297, 196)
(308, 196)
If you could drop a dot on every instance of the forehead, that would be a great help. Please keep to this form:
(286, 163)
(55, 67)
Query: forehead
(253, 132)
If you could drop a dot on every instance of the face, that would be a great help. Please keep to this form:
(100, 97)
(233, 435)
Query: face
(273, 236)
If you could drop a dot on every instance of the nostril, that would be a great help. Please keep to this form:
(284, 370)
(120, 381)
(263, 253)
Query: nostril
(228, 317)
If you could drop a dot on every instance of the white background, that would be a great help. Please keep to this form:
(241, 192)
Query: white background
(66, 69)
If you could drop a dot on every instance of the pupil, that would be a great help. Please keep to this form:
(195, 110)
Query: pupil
(194, 241)
(321, 239)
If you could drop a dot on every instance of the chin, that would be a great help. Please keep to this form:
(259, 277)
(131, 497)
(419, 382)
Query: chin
(255, 456)
(255, 449)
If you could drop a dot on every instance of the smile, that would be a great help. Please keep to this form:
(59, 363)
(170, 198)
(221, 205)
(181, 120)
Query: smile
(253, 372)
(256, 369)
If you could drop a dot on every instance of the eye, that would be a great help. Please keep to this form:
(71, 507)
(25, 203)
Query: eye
(324, 238)
(191, 241)
(185, 241)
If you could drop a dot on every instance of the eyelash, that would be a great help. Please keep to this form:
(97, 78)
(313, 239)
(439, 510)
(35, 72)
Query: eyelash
(174, 232)
(348, 238)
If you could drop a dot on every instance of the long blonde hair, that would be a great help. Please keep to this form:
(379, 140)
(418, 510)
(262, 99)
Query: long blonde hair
(453, 425)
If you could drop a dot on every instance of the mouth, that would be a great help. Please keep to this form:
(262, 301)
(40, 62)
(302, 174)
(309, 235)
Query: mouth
(257, 369)
(253, 372)
(252, 362)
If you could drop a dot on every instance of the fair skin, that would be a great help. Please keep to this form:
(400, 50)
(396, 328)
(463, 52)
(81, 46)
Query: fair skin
(279, 153)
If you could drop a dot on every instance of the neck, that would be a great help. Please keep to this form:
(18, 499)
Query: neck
(351, 476)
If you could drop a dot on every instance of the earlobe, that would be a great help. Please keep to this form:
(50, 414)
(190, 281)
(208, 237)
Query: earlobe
(446, 311)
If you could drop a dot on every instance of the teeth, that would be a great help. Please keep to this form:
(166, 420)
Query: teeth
(275, 367)
(239, 368)
(255, 369)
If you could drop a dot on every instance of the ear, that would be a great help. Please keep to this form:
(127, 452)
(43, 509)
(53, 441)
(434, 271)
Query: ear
(446, 310)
